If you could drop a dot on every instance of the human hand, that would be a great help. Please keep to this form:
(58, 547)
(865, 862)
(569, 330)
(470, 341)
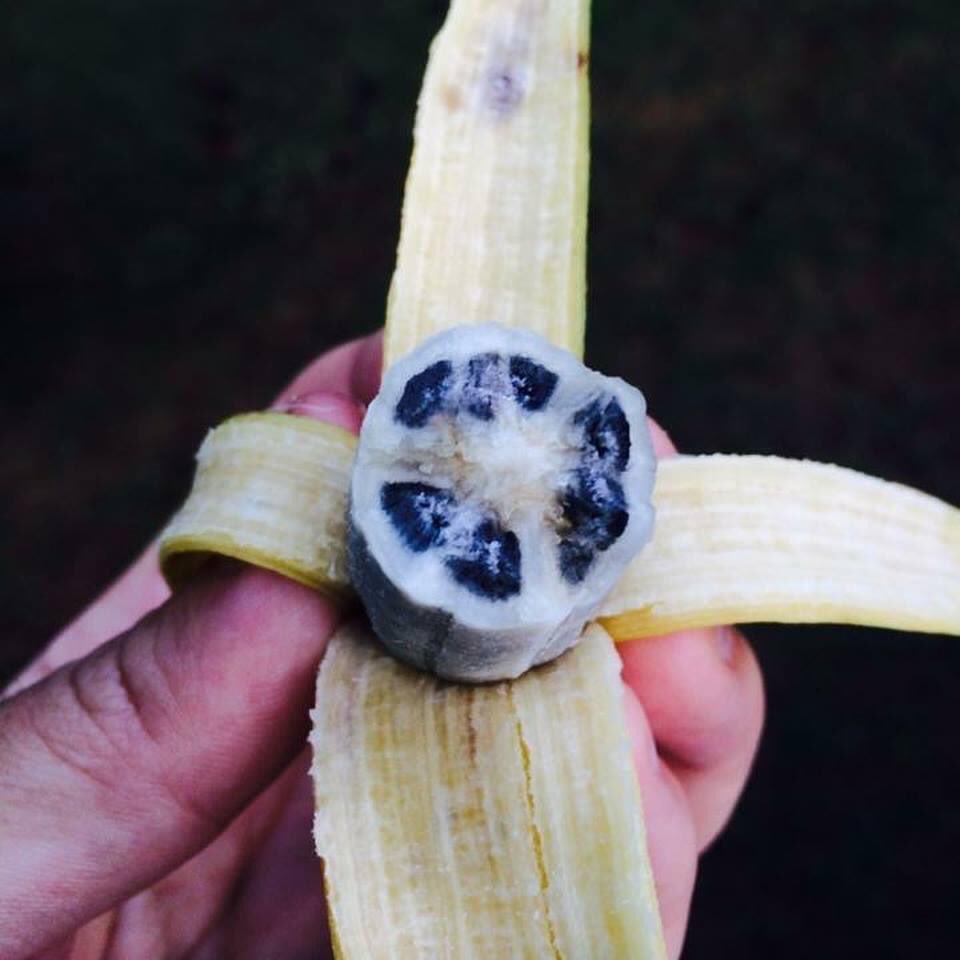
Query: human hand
(154, 797)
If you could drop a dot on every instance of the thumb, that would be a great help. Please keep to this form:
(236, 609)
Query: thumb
(118, 767)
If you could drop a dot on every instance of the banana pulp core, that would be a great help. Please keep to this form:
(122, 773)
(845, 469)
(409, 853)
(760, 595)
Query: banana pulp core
(511, 468)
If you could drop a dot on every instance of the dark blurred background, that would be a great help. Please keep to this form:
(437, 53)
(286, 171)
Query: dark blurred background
(199, 196)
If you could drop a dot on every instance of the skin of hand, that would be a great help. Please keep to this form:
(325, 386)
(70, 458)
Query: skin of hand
(154, 789)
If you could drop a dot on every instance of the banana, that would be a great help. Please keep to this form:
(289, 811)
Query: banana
(495, 206)
(466, 822)
(737, 539)
(499, 490)
(743, 539)
(504, 820)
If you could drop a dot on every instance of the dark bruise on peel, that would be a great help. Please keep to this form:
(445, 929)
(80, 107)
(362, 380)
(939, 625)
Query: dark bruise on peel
(424, 395)
(471, 726)
(451, 96)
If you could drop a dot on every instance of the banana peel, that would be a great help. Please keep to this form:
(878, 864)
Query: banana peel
(466, 821)
(737, 539)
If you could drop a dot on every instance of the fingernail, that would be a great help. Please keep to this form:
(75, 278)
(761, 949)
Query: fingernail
(366, 371)
(335, 408)
(725, 641)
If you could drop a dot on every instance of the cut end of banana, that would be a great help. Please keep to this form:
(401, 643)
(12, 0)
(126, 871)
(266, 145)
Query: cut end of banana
(473, 822)
(500, 489)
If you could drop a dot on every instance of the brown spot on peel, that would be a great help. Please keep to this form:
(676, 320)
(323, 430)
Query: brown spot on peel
(583, 58)
(451, 97)
(471, 727)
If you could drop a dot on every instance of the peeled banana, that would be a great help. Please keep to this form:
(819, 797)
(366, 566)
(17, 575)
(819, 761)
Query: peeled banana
(737, 539)
(499, 490)
(504, 820)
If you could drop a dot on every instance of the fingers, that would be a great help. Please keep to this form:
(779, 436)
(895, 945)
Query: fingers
(260, 883)
(278, 908)
(335, 408)
(703, 694)
(352, 369)
(671, 838)
(139, 590)
(694, 708)
(117, 768)
(662, 444)
(177, 724)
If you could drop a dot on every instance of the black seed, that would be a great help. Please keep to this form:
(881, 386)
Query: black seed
(576, 558)
(606, 432)
(419, 513)
(424, 395)
(491, 566)
(533, 384)
(483, 376)
(595, 509)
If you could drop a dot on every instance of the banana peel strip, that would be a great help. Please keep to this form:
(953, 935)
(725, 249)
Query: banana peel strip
(737, 539)
(467, 822)
(270, 489)
(495, 205)
(742, 539)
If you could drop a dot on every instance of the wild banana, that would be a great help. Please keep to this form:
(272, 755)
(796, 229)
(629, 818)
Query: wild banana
(504, 820)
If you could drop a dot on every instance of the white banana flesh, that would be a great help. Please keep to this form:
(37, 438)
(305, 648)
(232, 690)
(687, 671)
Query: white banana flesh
(499, 490)
(465, 822)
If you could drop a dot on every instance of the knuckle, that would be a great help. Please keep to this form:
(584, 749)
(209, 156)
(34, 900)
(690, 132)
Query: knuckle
(110, 724)
(81, 723)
